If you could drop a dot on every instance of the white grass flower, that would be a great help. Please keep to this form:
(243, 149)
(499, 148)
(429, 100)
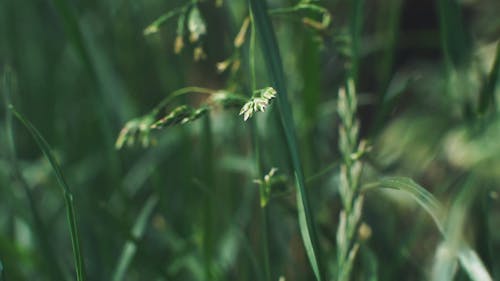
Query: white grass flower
(258, 103)
(269, 93)
(247, 110)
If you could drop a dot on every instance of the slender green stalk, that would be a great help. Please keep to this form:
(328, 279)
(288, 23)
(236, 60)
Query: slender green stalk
(356, 28)
(264, 211)
(68, 196)
(455, 41)
(208, 201)
(274, 65)
(181, 92)
(253, 53)
(137, 232)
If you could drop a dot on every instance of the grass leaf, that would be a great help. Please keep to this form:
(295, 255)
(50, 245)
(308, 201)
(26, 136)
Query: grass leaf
(130, 247)
(68, 196)
(274, 65)
(487, 96)
(468, 258)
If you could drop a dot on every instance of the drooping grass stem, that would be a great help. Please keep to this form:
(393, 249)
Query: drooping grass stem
(181, 92)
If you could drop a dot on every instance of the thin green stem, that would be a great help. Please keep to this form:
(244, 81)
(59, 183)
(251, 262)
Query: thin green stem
(181, 92)
(208, 201)
(256, 150)
(252, 53)
(264, 212)
(330, 167)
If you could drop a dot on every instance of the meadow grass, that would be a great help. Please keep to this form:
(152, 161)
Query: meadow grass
(249, 140)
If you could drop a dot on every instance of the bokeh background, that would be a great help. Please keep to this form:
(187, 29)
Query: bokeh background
(186, 206)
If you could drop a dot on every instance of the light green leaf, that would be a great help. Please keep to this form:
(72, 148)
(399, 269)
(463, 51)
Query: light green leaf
(468, 258)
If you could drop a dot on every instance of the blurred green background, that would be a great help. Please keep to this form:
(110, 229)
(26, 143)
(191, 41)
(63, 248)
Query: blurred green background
(186, 207)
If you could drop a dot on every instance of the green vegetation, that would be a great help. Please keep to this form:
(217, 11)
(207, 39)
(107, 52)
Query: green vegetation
(249, 140)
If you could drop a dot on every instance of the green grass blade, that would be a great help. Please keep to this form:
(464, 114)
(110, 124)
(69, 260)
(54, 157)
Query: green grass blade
(68, 196)
(468, 258)
(42, 236)
(423, 197)
(264, 211)
(73, 31)
(272, 57)
(356, 27)
(454, 37)
(209, 202)
(130, 247)
(487, 96)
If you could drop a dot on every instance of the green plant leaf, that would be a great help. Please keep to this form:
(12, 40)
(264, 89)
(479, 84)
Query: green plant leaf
(68, 196)
(487, 95)
(468, 258)
(137, 232)
(274, 65)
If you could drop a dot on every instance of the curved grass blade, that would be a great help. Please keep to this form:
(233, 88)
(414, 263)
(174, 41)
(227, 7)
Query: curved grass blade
(272, 57)
(42, 236)
(68, 196)
(468, 258)
(130, 247)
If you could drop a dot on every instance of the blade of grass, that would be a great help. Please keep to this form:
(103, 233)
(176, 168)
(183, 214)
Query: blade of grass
(468, 258)
(454, 37)
(264, 211)
(73, 31)
(130, 247)
(487, 95)
(356, 27)
(42, 236)
(208, 201)
(68, 196)
(272, 57)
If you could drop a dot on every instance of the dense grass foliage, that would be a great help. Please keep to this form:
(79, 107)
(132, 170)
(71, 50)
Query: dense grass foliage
(249, 140)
